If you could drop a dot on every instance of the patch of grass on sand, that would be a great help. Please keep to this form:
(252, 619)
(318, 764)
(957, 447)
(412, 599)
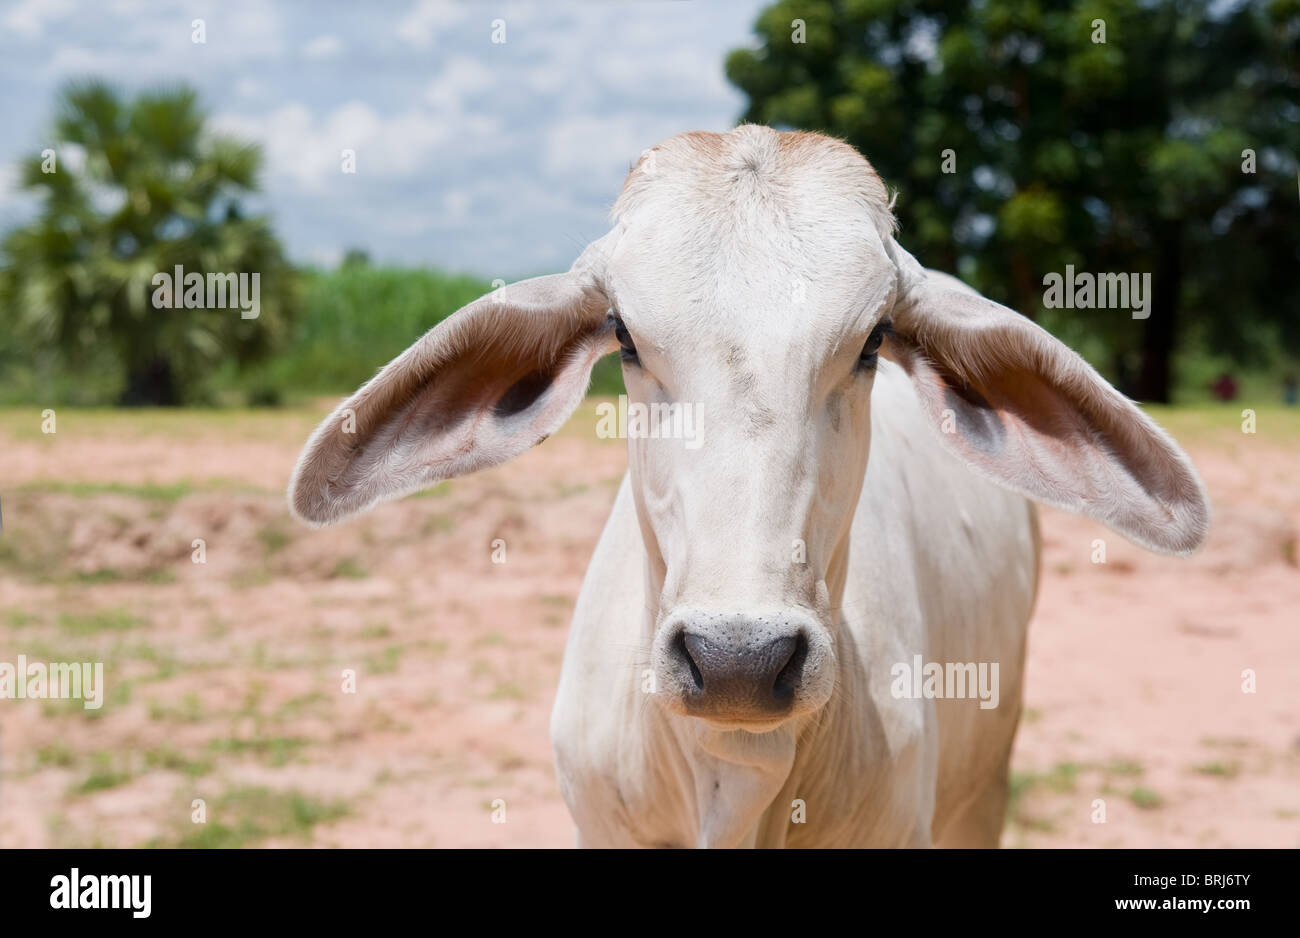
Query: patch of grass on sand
(1125, 767)
(189, 710)
(168, 758)
(243, 817)
(55, 755)
(385, 663)
(1060, 779)
(1218, 769)
(1145, 798)
(273, 750)
(349, 568)
(99, 621)
(109, 771)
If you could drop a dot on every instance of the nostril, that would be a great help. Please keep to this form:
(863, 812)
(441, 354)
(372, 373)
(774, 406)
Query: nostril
(743, 671)
(788, 678)
(683, 651)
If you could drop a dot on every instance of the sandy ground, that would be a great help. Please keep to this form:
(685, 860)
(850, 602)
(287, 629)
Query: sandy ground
(224, 679)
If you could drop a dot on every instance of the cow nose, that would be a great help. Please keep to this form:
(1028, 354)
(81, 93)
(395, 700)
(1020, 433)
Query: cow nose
(759, 668)
(753, 678)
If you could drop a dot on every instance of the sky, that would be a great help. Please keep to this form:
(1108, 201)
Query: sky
(496, 158)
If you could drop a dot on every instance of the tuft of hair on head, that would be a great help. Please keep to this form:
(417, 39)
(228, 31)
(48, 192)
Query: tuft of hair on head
(700, 162)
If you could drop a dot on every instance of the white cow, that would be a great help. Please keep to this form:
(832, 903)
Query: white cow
(732, 676)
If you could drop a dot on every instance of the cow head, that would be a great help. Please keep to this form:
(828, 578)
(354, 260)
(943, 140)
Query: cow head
(752, 277)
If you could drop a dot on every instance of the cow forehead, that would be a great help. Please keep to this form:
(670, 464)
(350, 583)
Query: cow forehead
(752, 233)
(755, 171)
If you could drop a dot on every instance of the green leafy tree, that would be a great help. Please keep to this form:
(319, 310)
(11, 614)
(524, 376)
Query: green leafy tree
(1122, 155)
(136, 188)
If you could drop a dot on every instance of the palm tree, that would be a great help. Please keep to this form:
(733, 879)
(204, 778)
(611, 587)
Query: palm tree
(138, 188)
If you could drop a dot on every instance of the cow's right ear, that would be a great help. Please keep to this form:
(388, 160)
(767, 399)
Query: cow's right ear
(1023, 410)
(487, 383)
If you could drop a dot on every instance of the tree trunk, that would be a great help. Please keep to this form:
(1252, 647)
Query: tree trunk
(1155, 377)
(150, 384)
(1026, 297)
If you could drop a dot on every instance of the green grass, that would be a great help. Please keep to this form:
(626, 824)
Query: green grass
(244, 817)
(168, 758)
(109, 771)
(117, 694)
(188, 710)
(1213, 420)
(275, 751)
(385, 663)
(1218, 769)
(1020, 785)
(181, 424)
(1125, 767)
(1145, 798)
(20, 620)
(169, 493)
(349, 569)
(507, 690)
(95, 623)
(358, 318)
(150, 491)
(56, 755)
(1060, 779)
(274, 538)
(296, 707)
(376, 630)
(355, 320)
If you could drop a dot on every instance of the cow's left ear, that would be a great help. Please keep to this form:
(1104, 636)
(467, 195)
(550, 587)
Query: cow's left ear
(1023, 410)
(487, 383)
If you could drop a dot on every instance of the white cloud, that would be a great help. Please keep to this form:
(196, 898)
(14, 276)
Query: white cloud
(237, 30)
(17, 205)
(79, 59)
(600, 150)
(306, 147)
(159, 45)
(472, 155)
(323, 47)
(325, 256)
(309, 150)
(461, 77)
(426, 18)
(456, 204)
(8, 181)
(29, 17)
(128, 7)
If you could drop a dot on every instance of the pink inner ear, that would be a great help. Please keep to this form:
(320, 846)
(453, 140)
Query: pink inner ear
(476, 414)
(481, 387)
(1021, 425)
(1067, 440)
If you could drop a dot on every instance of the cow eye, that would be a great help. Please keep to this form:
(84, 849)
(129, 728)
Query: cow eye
(871, 350)
(627, 348)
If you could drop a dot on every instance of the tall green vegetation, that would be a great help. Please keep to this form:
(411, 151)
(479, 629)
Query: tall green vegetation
(135, 187)
(1122, 155)
(359, 317)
